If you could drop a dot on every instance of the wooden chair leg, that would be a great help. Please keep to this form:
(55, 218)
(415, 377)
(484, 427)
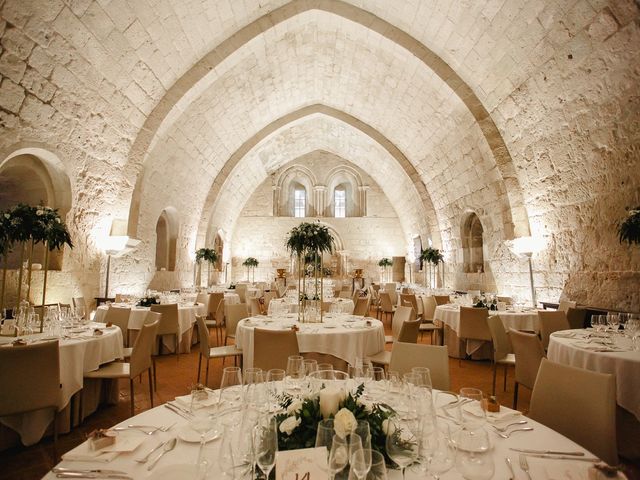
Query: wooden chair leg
(515, 396)
(493, 385)
(504, 387)
(155, 378)
(199, 366)
(150, 387)
(131, 394)
(206, 375)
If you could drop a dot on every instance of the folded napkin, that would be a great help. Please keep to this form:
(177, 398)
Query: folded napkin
(82, 453)
(474, 409)
(185, 401)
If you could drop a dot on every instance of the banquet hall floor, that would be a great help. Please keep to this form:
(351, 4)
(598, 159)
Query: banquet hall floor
(175, 378)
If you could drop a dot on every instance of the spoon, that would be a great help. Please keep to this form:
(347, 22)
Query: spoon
(506, 427)
(507, 435)
(170, 445)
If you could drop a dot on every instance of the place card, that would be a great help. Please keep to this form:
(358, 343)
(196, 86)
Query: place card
(302, 464)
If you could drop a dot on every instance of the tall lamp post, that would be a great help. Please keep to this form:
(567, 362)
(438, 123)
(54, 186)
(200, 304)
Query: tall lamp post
(526, 247)
(116, 244)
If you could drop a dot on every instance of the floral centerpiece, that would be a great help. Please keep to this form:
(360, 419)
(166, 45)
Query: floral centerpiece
(385, 263)
(251, 263)
(210, 256)
(431, 256)
(629, 229)
(309, 241)
(298, 425)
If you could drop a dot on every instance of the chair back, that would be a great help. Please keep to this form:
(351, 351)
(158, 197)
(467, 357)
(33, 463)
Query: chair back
(362, 307)
(409, 331)
(405, 356)
(407, 303)
(385, 302)
(203, 297)
(390, 288)
(473, 324)
(551, 321)
(254, 306)
(505, 300)
(235, 313)
(241, 290)
(152, 317)
(501, 343)
(401, 315)
(428, 307)
(272, 348)
(214, 301)
(268, 296)
(576, 318)
(169, 322)
(30, 377)
(220, 314)
(142, 349)
(411, 298)
(344, 294)
(565, 305)
(529, 353)
(120, 317)
(203, 336)
(578, 403)
(442, 299)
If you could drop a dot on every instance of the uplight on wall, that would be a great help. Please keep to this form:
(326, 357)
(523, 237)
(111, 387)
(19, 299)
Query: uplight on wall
(526, 247)
(116, 244)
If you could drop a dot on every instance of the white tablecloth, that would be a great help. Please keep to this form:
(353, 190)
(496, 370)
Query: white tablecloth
(625, 365)
(186, 319)
(528, 320)
(181, 460)
(77, 356)
(343, 336)
(288, 305)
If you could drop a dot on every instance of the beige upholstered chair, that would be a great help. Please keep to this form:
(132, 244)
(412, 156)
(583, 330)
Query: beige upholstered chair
(473, 324)
(203, 297)
(529, 353)
(30, 379)
(413, 301)
(401, 315)
(386, 305)
(428, 322)
(404, 356)
(362, 307)
(565, 305)
(120, 317)
(576, 317)
(390, 288)
(344, 294)
(505, 300)
(551, 321)
(254, 306)
(272, 348)
(501, 349)
(268, 296)
(579, 404)
(169, 324)
(235, 313)
(408, 334)
(80, 303)
(442, 299)
(139, 363)
(214, 319)
(241, 290)
(208, 352)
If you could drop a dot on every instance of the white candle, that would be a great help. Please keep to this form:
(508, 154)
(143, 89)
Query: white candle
(329, 401)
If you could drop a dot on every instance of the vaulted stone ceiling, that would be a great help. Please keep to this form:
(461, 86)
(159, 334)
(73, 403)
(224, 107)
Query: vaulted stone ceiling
(523, 111)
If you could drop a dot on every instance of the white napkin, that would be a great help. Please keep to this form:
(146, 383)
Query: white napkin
(474, 409)
(82, 453)
(185, 401)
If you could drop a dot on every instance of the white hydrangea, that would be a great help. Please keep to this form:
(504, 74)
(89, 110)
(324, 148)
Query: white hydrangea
(289, 425)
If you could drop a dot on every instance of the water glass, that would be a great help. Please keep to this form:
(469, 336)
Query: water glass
(401, 443)
(325, 434)
(295, 371)
(474, 459)
(275, 386)
(231, 387)
(254, 389)
(471, 414)
(265, 444)
(338, 455)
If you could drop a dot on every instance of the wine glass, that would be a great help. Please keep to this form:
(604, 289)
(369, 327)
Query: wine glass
(325, 433)
(474, 460)
(201, 420)
(436, 451)
(361, 462)
(254, 388)
(471, 414)
(295, 371)
(401, 443)
(338, 455)
(265, 444)
(275, 379)
(613, 321)
(424, 376)
(231, 387)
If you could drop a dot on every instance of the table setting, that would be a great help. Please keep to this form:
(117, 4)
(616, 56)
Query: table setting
(258, 421)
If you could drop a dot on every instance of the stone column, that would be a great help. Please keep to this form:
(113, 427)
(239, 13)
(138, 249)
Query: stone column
(362, 190)
(320, 192)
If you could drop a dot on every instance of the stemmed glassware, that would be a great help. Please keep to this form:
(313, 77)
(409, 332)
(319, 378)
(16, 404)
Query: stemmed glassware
(275, 379)
(401, 443)
(474, 460)
(231, 387)
(265, 444)
(295, 371)
(338, 455)
(254, 389)
(201, 420)
(471, 414)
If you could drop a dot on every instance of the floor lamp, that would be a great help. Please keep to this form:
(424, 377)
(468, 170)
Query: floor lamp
(116, 244)
(526, 247)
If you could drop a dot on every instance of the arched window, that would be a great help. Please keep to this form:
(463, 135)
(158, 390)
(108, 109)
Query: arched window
(299, 202)
(472, 244)
(166, 240)
(340, 203)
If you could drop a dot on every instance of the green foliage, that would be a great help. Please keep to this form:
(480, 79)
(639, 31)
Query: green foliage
(206, 254)
(250, 262)
(629, 229)
(309, 238)
(385, 262)
(23, 223)
(431, 255)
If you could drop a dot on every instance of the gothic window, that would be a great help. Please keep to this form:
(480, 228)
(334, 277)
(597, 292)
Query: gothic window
(472, 244)
(166, 241)
(340, 203)
(300, 203)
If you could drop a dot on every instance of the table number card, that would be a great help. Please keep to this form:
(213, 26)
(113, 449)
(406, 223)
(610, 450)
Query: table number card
(303, 464)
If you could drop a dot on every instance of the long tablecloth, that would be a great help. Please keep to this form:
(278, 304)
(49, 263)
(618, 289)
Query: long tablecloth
(343, 336)
(286, 305)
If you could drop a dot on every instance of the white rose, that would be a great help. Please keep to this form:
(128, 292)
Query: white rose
(295, 407)
(388, 428)
(289, 425)
(39, 212)
(368, 406)
(344, 423)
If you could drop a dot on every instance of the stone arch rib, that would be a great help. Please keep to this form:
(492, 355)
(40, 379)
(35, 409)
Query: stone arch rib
(248, 145)
(517, 223)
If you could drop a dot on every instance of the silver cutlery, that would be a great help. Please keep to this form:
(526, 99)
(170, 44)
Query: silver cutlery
(146, 457)
(92, 470)
(509, 464)
(507, 435)
(506, 427)
(93, 475)
(184, 410)
(524, 465)
(142, 429)
(562, 457)
(548, 452)
(170, 445)
(176, 411)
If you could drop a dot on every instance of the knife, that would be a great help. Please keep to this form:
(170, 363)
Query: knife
(93, 470)
(562, 457)
(93, 475)
(176, 411)
(548, 452)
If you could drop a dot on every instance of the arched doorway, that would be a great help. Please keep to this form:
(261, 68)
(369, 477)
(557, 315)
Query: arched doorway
(472, 244)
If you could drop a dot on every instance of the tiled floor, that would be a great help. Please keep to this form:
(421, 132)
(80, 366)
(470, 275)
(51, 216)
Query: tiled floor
(175, 378)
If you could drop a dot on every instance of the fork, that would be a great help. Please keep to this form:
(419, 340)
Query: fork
(507, 435)
(506, 427)
(524, 465)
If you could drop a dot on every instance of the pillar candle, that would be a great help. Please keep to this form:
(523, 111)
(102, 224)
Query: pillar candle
(329, 401)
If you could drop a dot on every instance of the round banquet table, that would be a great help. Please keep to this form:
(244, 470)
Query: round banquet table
(287, 305)
(186, 318)
(180, 462)
(80, 352)
(449, 315)
(344, 336)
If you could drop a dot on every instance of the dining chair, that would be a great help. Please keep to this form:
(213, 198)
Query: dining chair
(119, 317)
(208, 352)
(272, 348)
(408, 334)
(344, 294)
(580, 404)
(390, 288)
(401, 315)
(79, 302)
(577, 318)
(30, 379)
(268, 296)
(528, 351)
(473, 325)
(502, 349)
(203, 297)
(405, 356)
(254, 306)
(139, 362)
(429, 324)
(551, 321)
(169, 324)
(386, 305)
(362, 307)
(235, 313)
(505, 300)
(413, 301)
(442, 299)
(241, 290)
(565, 305)
(215, 314)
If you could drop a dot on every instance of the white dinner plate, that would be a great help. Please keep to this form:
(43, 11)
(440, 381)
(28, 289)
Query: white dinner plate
(188, 434)
(171, 472)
